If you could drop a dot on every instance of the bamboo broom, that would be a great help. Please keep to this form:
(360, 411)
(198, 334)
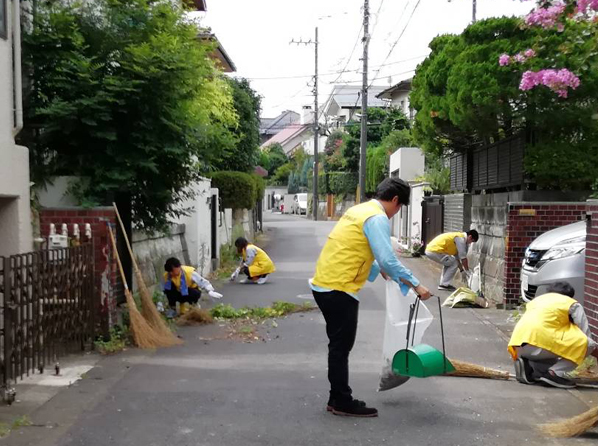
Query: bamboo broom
(468, 370)
(148, 309)
(143, 335)
(572, 427)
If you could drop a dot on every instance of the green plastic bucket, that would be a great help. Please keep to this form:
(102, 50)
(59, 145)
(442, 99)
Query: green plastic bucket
(421, 361)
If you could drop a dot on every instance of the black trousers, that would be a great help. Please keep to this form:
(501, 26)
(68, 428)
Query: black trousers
(175, 296)
(340, 312)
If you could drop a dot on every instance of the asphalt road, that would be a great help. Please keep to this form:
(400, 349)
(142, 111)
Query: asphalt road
(273, 392)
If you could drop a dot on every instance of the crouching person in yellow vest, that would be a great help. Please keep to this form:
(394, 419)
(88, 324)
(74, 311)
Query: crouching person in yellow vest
(182, 284)
(357, 249)
(552, 338)
(450, 250)
(255, 263)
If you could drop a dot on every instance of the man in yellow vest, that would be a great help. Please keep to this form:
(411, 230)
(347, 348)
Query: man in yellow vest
(357, 249)
(552, 338)
(182, 284)
(255, 263)
(450, 250)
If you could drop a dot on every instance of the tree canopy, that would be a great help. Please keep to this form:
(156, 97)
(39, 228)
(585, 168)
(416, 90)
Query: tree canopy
(464, 97)
(124, 96)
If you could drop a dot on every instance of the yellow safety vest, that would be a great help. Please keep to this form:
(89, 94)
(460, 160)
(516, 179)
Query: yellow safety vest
(176, 281)
(346, 259)
(445, 243)
(262, 264)
(546, 324)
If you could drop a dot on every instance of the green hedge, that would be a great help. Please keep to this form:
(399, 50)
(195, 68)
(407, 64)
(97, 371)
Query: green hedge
(238, 190)
(337, 183)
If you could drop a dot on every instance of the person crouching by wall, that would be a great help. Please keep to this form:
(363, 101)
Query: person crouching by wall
(552, 338)
(255, 263)
(182, 284)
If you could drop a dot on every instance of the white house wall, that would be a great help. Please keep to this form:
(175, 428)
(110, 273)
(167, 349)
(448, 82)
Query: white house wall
(15, 212)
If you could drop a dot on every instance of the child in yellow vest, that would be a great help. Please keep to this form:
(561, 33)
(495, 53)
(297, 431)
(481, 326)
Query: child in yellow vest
(182, 284)
(255, 263)
(450, 250)
(552, 338)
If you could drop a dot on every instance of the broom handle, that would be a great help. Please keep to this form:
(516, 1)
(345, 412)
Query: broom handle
(442, 333)
(122, 227)
(120, 266)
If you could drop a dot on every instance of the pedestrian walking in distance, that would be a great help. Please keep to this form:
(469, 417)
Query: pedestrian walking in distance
(450, 250)
(357, 249)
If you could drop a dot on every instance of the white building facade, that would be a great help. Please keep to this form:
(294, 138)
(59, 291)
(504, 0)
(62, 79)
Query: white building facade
(15, 211)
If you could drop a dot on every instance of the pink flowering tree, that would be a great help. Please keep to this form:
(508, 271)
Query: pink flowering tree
(501, 77)
(554, 16)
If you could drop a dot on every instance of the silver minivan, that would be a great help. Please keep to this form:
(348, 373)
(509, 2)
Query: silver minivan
(557, 255)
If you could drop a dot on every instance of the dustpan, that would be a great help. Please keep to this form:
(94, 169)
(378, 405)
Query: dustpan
(422, 360)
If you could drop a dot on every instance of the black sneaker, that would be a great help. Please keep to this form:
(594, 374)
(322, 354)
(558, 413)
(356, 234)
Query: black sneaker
(354, 409)
(552, 379)
(446, 288)
(330, 404)
(524, 372)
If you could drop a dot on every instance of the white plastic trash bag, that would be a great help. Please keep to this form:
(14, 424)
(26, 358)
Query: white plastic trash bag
(474, 280)
(395, 331)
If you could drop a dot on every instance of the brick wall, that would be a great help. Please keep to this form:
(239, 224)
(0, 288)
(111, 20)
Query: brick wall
(107, 281)
(591, 285)
(526, 221)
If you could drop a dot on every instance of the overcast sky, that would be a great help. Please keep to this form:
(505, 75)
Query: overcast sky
(256, 35)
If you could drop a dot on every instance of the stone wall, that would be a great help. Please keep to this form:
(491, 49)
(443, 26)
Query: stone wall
(591, 285)
(489, 218)
(152, 250)
(457, 212)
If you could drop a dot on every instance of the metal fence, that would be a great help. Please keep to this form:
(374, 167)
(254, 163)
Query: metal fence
(48, 309)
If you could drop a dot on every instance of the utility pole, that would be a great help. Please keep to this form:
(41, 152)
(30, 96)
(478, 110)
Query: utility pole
(364, 102)
(315, 199)
(474, 10)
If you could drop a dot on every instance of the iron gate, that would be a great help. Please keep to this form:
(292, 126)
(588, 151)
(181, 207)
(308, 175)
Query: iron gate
(47, 308)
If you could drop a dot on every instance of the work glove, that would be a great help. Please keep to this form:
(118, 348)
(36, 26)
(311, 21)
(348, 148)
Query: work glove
(466, 276)
(234, 275)
(215, 295)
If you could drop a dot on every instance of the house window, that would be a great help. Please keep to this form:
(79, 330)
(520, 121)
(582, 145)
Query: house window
(3, 19)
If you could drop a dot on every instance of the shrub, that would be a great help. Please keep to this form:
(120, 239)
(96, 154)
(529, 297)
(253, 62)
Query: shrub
(238, 190)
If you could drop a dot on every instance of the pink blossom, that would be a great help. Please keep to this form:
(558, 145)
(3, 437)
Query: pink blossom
(584, 5)
(545, 17)
(529, 53)
(519, 58)
(558, 81)
(504, 60)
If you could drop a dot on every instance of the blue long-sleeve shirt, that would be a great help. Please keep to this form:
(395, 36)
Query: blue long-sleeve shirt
(377, 231)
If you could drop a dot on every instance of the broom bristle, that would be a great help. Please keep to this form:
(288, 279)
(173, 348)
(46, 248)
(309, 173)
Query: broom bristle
(195, 316)
(572, 427)
(144, 336)
(151, 314)
(466, 369)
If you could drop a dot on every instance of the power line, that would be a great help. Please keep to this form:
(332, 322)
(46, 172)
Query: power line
(344, 70)
(400, 35)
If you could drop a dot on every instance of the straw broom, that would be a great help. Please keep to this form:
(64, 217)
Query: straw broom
(468, 370)
(572, 427)
(148, 309)
(143, 335)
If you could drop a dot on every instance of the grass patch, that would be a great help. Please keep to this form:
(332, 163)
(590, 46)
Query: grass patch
(587, 369)
(22, 421)
(278, 309)
(117, 341)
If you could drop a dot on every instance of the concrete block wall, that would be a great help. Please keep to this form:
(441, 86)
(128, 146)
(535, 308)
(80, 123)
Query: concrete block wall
(527, 221)
(591, 285)
(152, 250)
(457, 212)
(489, 218)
